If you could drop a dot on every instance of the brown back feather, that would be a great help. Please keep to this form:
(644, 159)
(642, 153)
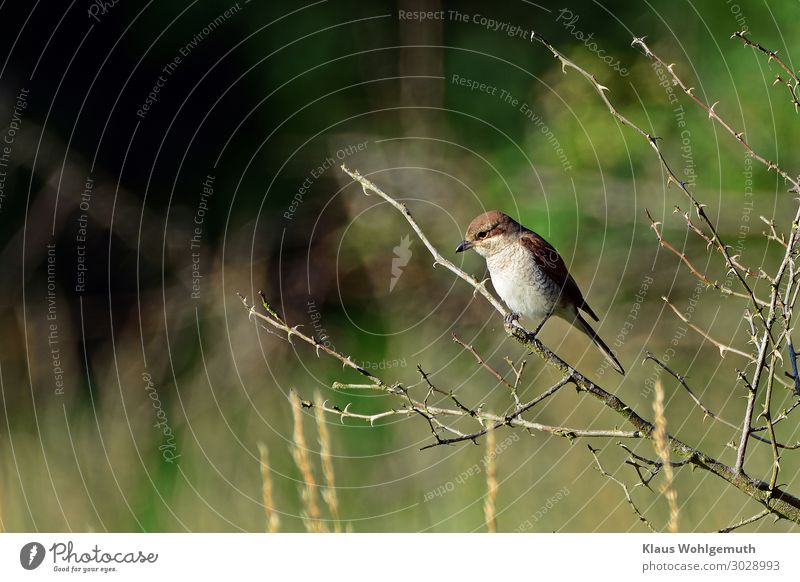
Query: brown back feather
(553, 265)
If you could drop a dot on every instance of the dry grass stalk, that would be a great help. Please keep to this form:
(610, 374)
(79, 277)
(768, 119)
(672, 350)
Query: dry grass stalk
(489, 509)
(329, 493)
(272, 518)
(662, 448)
(311, 516)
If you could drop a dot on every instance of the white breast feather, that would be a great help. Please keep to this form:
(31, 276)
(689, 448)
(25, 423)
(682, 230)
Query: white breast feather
(522, 286)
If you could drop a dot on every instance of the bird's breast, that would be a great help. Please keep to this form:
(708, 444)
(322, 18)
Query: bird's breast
(521, 284)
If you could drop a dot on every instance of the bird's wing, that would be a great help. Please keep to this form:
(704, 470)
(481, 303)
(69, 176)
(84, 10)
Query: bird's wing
(552, 264)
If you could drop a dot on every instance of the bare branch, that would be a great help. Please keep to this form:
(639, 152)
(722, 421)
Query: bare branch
(682, 380)
(479, 286)
(773, 234)
(745, 522)
(711, 243)
(482, 362)
(785, 504)
(791, 82)
(702, 277)
(653, 141)
(719, 345)
(712, 114)
(624, 488)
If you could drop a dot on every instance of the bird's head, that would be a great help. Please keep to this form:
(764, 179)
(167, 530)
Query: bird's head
(489, 233)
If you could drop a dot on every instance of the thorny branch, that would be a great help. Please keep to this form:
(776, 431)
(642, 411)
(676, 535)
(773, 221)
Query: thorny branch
(653, 141)
(412, 406)
(723, 348)
(781, 502)
(744, 522)
(791, 82)
(624, 488)
(780, 301)
(784, 291)
(700, 276)
(682, 381)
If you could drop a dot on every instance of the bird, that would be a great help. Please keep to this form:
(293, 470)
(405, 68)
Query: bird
(530, 276)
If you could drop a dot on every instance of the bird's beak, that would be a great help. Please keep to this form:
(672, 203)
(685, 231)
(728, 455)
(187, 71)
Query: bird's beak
(464, 245)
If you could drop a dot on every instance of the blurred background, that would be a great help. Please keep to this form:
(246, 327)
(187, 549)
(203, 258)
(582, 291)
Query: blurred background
(160, 158)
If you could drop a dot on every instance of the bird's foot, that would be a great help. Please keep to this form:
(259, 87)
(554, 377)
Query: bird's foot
(535, 332)
(511, 318)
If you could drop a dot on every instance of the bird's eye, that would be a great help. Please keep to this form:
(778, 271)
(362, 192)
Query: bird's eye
(482, 234)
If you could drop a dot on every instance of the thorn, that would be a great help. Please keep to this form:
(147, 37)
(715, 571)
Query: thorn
(711, 112)
(344, 412)
(739, 135)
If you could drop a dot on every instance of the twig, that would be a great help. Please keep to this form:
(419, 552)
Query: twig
(517, 379)
(701, 276)
(739, 136)
(785, 504)
(713, 244)
(682, 380)
(277, 322)
(780, 417)
(486, 417)
(744, 522)
(521, 408)
(452, 396)
(624, 488)
(776, 281)
(773, 234)
(656, 465)
(791, 83)
(719, 345)
(479, 286)
(653, 141)
(343, 386)
(767, 414)
(712, 114)
(482, 362)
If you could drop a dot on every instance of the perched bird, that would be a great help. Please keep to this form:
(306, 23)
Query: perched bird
(529, 275)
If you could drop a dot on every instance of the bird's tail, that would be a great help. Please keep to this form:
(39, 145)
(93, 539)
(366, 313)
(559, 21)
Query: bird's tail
(581, 324)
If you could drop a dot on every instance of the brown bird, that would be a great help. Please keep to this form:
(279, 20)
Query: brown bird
(529, 275)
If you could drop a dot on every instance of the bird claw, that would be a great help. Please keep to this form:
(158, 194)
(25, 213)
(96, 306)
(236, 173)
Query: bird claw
(510, 318)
